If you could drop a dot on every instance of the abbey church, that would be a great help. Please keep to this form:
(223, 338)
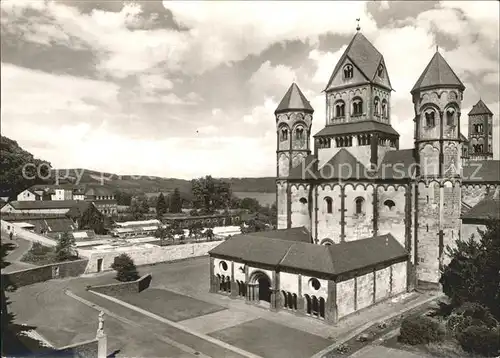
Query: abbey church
(360, 220)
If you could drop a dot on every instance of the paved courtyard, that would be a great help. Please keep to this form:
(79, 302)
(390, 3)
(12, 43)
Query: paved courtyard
(272, 340)
(181, 319)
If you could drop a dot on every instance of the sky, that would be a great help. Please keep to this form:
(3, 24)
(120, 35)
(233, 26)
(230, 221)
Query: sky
(186, 89)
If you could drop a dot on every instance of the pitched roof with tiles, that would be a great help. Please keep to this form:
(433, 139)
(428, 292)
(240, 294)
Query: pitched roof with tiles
(480, 108)
(44, 204)
(397, 164)
(486, 209)
(363, 55)
(294, 100)
(343, 165)
(308, 169)
(481, 171)
(438, 73)
(357, 127)
(333, 259)
(300, 234)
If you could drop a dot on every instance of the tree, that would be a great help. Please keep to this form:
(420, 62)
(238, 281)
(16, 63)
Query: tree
(20, 169)
(7, 317)
(163, 233)
(123, 198)
(250, 204)
(125, 268)
(92, 219)
(210, 234)
(473, 274)
(161, 205)
(66, 247)
(195, 229)
(210, 194)
(253, 225)
(175, 201)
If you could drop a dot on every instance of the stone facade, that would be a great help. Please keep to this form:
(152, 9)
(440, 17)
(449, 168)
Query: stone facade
(320, 297)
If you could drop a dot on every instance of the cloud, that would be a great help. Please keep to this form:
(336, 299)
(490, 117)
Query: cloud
(262, 114)
(325, 63)
(272, 80)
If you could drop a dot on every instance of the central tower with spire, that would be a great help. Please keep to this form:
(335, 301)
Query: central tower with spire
(358, 98)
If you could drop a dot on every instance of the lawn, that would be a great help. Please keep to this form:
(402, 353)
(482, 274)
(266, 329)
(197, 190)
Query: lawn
(41, 255)
(271, 340)
(169, 305)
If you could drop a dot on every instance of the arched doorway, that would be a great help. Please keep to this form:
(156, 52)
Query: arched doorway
(264, 286)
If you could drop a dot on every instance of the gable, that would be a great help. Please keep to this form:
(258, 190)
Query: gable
(338, 78)
(382, 80)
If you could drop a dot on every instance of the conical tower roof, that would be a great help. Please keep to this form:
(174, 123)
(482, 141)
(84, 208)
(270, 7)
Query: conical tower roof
(294, 100)
(438, 73)
(480, 108)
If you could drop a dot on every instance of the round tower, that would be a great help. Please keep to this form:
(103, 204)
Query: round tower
(293, 124)
(480, 132)
(437, 98)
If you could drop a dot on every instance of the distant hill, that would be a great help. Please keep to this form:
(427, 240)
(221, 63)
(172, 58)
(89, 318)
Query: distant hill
(18, 168)
(14, 158)
(150, 184)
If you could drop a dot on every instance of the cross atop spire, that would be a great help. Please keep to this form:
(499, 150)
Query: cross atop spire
(358, 27)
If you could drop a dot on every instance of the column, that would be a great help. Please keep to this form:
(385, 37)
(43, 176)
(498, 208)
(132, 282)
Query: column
(213, 287)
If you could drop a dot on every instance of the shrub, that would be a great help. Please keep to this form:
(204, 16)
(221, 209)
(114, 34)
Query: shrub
(125, 268)
(420, 330)
(480, 340)
(477, 312)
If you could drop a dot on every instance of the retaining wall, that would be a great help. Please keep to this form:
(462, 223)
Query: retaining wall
(124, 287)
(47, 272)
(146, 255)
(87, 349)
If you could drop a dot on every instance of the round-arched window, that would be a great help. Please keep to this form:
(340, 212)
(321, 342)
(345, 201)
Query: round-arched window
(390, 204)
(223, 265)
(314, 284)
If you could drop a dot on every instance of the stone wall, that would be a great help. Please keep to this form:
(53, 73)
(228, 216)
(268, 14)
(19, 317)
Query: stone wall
(391, 211)
(47, 272)
(428, 229)
(281, 204)
(345, 298)
(358, 226)
(328, 224)
(136, 286)
(87, 349)
(365, 290)
(148, 255)
(300, 202)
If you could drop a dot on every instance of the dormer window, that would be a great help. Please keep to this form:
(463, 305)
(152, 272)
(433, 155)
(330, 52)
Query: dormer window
(348, 71)
(430, 120)
(380, 71)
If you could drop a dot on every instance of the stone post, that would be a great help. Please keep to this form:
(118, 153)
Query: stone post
(212, 277)
(102, 344)
(234, 289)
